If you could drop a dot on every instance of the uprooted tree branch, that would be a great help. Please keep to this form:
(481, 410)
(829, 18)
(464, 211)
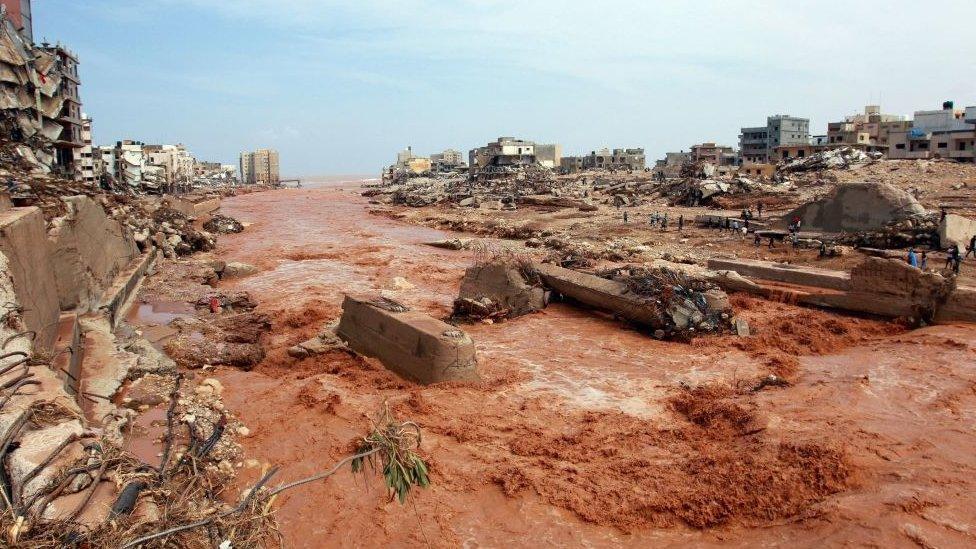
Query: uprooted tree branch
(183, 503)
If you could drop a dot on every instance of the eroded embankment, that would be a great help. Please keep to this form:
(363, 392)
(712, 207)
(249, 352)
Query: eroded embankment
(584, 431)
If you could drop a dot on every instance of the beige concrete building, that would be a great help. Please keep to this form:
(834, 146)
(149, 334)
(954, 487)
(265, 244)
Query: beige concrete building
(84, 157)
(718, 155)
(872, 128)
(944, 133)
(260, 166)
(616, 159)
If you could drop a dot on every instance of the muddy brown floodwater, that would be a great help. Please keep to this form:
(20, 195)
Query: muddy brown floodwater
(581, 433)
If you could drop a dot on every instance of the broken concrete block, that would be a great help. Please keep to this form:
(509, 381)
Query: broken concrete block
(410, 343)
(600, 293)
(450, 244)
(236, 269)
(498, 287)
(856, 207)
(323, 343)
(956, 230)
(742, 327)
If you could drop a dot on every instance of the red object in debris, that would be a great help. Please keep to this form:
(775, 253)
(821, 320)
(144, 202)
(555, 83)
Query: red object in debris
(214, 304)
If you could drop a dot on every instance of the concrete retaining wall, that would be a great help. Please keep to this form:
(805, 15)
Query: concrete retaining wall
(88, 248)
(410, 343)
(23, 240)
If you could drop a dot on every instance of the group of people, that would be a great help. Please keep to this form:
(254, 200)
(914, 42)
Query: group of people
(954, 256)
(656, 219)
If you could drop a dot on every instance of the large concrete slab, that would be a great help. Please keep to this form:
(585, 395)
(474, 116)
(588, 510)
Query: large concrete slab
(782, 272)
(410, 343)
(23, 240)
(599, 293)
(956, 230)
(865, 206)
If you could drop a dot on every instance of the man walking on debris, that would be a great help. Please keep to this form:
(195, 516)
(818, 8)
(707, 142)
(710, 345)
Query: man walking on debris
(681, 223)
(972, 247)
(759, 208)
(625, 216)
(912, 259)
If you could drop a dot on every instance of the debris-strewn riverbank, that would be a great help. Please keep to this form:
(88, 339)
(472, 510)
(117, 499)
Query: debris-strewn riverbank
(584, 431)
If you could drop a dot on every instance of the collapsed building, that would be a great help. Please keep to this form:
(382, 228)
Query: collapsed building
(40, 112)
(507, 155)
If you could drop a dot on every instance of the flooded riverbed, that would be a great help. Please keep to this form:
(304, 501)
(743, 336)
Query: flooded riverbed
(572, 438)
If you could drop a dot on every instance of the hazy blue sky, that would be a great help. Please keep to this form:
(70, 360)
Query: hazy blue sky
(339, 87)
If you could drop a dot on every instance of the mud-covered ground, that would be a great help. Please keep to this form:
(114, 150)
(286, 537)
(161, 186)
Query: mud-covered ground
(585, 431)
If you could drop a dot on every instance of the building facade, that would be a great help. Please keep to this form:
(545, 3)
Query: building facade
(505, 152)
(260, 167)
(69, 115)
(85, 156)
(717, 155)
(19, 11)
(756, 144)
(449, 159)
(670, 166)
(870, 128)
(944, 133)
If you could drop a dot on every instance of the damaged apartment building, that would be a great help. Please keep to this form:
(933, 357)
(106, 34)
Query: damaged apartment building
(260, 167)
(154, 169)
(627, 160)
(40, 105)
(508, 154)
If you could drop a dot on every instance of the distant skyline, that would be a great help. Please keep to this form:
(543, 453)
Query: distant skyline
(340, 87)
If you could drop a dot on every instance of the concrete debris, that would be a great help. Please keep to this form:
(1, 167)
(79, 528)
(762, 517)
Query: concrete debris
(235, 269)
(668, 301)
(856, 207)
(410, 343)
(223, 224)
(323, 343)
(842, 158)
(956, 230)
(499, 289)
(452, 243)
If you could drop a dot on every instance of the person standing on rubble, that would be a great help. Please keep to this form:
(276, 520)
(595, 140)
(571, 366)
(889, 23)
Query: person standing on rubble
(912, 259)
(972, 247)
(759, 208)
(664, 222)
(681, 223)
(924, 265)
(625, 216)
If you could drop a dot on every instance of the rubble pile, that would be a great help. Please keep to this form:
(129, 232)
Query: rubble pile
(223, 224)
(692, 191)
(506, 191)
(917, 230)
(685, 306)
(843, 158)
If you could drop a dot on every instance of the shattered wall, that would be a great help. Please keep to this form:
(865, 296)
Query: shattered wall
(30, 99)
(88, 248)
